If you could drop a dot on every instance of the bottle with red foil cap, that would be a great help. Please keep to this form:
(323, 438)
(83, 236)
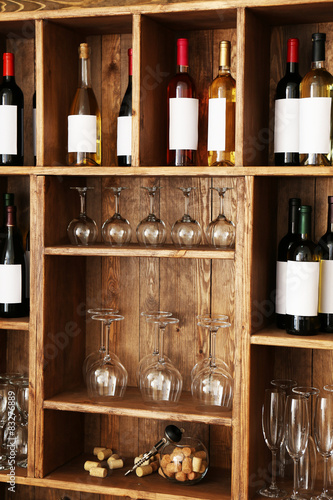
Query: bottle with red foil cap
(182, 112)
(124, 122)
(286, 124)
(11, 115)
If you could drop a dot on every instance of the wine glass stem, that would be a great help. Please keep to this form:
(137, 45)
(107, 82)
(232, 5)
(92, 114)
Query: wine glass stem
(187, 200)
(221, 203)
(213, 347)
(156, 331)
(102, 346)
(273, 484)
(151, 202)
(82, 203)
(295, 492)
(107, 339)
(325, 477)
(116, 202)
(161, 344)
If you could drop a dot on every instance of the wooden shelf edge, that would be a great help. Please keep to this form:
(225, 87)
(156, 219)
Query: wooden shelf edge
(272, 336)
(135, 250)
(14, 323)
(132, 405)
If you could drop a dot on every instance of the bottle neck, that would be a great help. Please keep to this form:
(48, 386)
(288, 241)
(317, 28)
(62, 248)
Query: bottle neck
(84, 73)
(182, 55)
(10, 217)
(224, 58)
(305, 226)
(330, 218)
(182, 69)
(291, 67)
(293, 220)
(318, 65)
(8, 67)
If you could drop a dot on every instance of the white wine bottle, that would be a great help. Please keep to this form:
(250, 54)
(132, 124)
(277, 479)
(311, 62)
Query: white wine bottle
(124, 122)
(315, 119)
(221, 113)
(84, 120)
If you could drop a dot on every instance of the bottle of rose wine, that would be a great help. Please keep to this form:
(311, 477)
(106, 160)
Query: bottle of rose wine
(11, 115)
(286, 125)
(302, 280)
(315, 120)
(221, 113)
(84, 120)
(326, 274)
(182, 112)
(124, 122)
(13, 301)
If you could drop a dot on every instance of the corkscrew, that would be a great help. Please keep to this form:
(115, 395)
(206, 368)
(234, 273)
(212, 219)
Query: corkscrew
(172, 434)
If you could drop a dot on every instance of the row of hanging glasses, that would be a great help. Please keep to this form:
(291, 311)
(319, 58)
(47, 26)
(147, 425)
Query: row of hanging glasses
(158, 379)
(14, 412)
(151, 231)
(289, 429)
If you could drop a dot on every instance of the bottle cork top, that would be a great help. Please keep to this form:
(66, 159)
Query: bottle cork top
(225, 47)
(84, 51)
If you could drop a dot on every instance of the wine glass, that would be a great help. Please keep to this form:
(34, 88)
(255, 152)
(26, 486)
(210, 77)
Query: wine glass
(151, 231)
(22, 398)
(272, 419)
(323, 434)
(221, 232)
(308, 462)
(186, 232)
(152, 317)
(212, 387)
(296, 427)
(107, 377)
(6, 388)
(83, 230)
(116, 230)
(161, 383)
(97, 355)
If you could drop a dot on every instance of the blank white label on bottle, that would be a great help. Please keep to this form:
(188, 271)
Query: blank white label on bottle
(314, 125)
(124, 136)
(82, 134)
(286, 126)
(280, 297)
(325, 287)
(302, 284)
(216, 124)
(183, 123)
(8, 129)
(10, 284)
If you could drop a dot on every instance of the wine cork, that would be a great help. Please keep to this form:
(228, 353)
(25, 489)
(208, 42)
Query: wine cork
(203, 467)
(196, 464)
(115, 464)
(160, 471)
(106, 453)
(187, 465)
(84, 51)
(181, 476)
(165, 461)
(144, 470)
(200, 454)
(89, 464)
(114, 456)
(192, 475)
(98, 472)
(154, 465)
(97, 449)
(186, 451)
(173, 467)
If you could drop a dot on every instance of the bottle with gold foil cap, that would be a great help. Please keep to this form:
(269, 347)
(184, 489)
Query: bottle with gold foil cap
(221, 112)
(84, 120)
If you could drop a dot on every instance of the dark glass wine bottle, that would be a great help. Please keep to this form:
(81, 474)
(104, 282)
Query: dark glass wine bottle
(281, 264)
(8, 200)
(286, 148)
(13, 301)
(124, 122)
(182, 112)
(326, 274)
(302, 280)
(11, 115)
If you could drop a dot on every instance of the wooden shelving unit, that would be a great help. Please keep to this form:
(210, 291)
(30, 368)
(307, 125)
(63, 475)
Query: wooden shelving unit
(64, 424)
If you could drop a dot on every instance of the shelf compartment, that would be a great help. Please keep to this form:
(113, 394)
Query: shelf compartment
(135, 250)
(20, 476)
(271, 336)
(14, 324)
(133, 406)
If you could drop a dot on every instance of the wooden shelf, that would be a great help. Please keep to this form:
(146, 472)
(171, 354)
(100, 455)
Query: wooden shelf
(135, 250)
(275, 337)
(20, 475)
(14, 324)
(133, 406)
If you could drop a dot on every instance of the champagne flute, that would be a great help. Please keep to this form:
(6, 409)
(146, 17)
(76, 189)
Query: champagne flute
(323, 434)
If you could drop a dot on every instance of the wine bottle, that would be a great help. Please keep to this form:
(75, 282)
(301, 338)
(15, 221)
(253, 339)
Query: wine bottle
(221, 112)
(34, 131)
(286, 124)
(325, 251)
(8, 200)
(124, 122)
(315, 109)
(302, 280)
(84, 120)
(182, 112)
(11, 115)
(13, 302)
(281, 264)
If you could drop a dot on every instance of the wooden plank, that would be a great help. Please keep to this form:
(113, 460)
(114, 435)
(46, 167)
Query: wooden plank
(14, 324)
(273, 336)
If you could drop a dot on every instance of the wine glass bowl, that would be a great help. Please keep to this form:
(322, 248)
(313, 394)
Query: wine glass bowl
(221, 232)
(116, 230)
(151, 231)
(82, 231)
(186, 232)
(323, 435)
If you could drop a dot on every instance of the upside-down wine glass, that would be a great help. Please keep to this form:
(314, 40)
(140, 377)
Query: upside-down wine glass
(296, 427)
(161, 383)
(151, 231)
(98, 355)
(21, 430)
(116, 231)
(152, 317)
(323, 434)
(107, 378)
(186, 232)
(83, 230)
(5, 387)
(220, 233)
(273, 431)
(212, 387)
